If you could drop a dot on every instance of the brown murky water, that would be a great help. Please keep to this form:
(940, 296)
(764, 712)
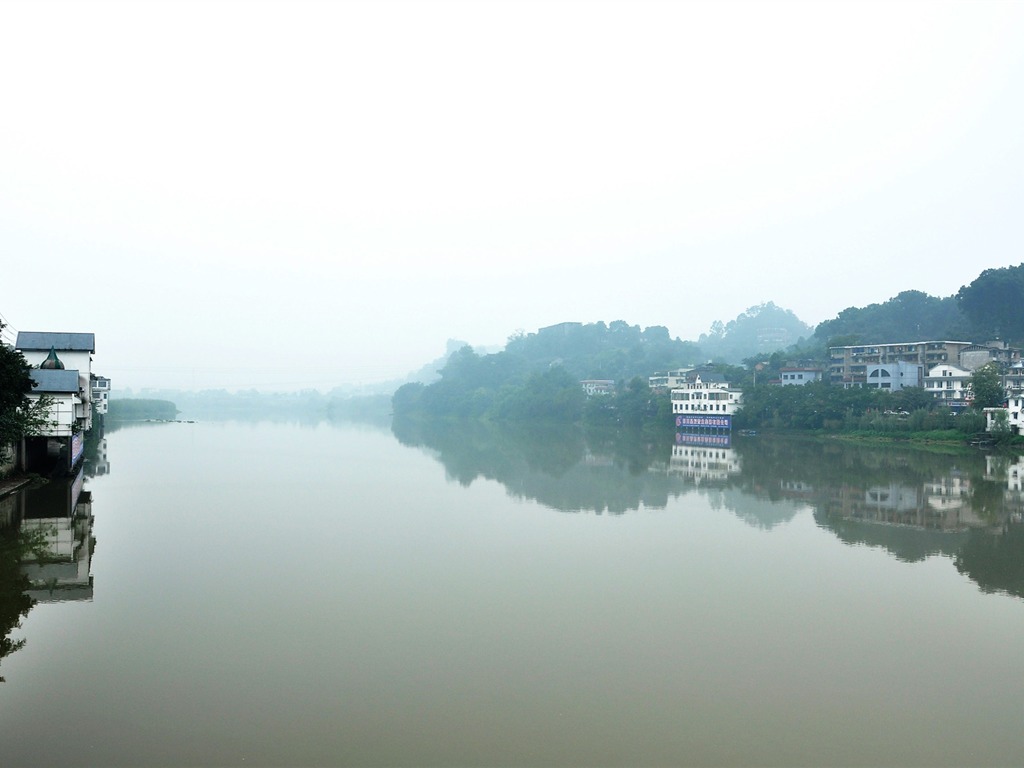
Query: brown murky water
(277, 594)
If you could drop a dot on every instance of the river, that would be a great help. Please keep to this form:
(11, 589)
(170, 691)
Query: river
(237, 593)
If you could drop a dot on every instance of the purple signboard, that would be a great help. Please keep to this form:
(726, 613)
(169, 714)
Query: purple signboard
(77, 447)
(704, 422)
(718, 441)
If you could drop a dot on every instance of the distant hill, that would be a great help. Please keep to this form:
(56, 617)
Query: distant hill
(545, 368)
(140, 409)
(762, 329)
(617, 351)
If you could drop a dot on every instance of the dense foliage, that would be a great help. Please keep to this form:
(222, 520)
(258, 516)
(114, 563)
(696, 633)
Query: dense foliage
(617, 351)
(138, 409)
(19, 416)
(15, 604)
(992, 303)
(538, 375)
(820, 406)
(909, 316)
(987, 387)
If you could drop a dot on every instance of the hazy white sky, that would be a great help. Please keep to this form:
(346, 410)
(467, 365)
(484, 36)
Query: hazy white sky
(283, 194)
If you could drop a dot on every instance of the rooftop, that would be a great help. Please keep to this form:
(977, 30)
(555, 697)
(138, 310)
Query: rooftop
(54, 380)
(63, 342)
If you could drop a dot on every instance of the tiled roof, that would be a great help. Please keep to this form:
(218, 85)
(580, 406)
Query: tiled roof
(62, 342)
(54, 380)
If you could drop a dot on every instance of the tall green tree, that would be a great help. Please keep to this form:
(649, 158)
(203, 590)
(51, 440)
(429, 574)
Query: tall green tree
(908, 316)
(19, 416)
(987, 387)
(992, 303)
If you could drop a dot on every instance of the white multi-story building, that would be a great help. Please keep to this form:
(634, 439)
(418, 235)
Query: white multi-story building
(101, 394)
(707, 396)
(668, 380)
(69, 353)
(74, 349)
(949, 384)
(1014, 411)
(851, 366)
(1013, 379)
(62, 371)
(67, 407)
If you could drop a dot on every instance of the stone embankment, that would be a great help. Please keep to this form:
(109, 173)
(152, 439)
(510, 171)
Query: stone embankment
(11, 485)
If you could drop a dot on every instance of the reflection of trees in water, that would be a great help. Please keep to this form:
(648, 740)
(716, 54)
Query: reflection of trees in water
(911, 503)
(832, 463)
(994, 559)
(46, 544)
(559, 466)
(905, 543)
(758, 511)
(15, 604)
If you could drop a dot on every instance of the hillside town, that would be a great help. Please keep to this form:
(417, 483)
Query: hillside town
(943, 369)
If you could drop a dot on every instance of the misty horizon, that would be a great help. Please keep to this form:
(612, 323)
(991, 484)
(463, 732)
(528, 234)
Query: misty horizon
(286, 196)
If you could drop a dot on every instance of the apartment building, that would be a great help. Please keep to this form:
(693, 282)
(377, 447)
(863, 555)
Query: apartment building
(851, 366)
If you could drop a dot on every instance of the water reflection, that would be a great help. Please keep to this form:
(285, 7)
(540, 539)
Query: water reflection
(964, 505)
(560, 467)
(46, 547)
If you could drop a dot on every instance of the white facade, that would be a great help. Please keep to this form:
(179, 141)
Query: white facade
(669, 379)
(74, 350)
(798, 376)
(1013, 379)
(711, 398)
(1014, 415)
(73, 360)
(949, 384)
(68, 409)
(101, 394)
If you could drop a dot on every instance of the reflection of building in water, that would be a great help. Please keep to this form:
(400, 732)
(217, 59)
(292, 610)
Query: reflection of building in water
(597, 460)
(702, 462)
(796, 489)
(951, 493)
(898, 498)
(941, 504)
(60, 514)
(99, 464)
(1009, 470)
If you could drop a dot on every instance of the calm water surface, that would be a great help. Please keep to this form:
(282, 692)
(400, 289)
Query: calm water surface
(284, 594)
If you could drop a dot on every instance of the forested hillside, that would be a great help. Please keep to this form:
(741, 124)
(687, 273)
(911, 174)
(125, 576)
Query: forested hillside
(909, 316)
(538, 374)
(762, 329)
(994, 304)
(988, 308)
